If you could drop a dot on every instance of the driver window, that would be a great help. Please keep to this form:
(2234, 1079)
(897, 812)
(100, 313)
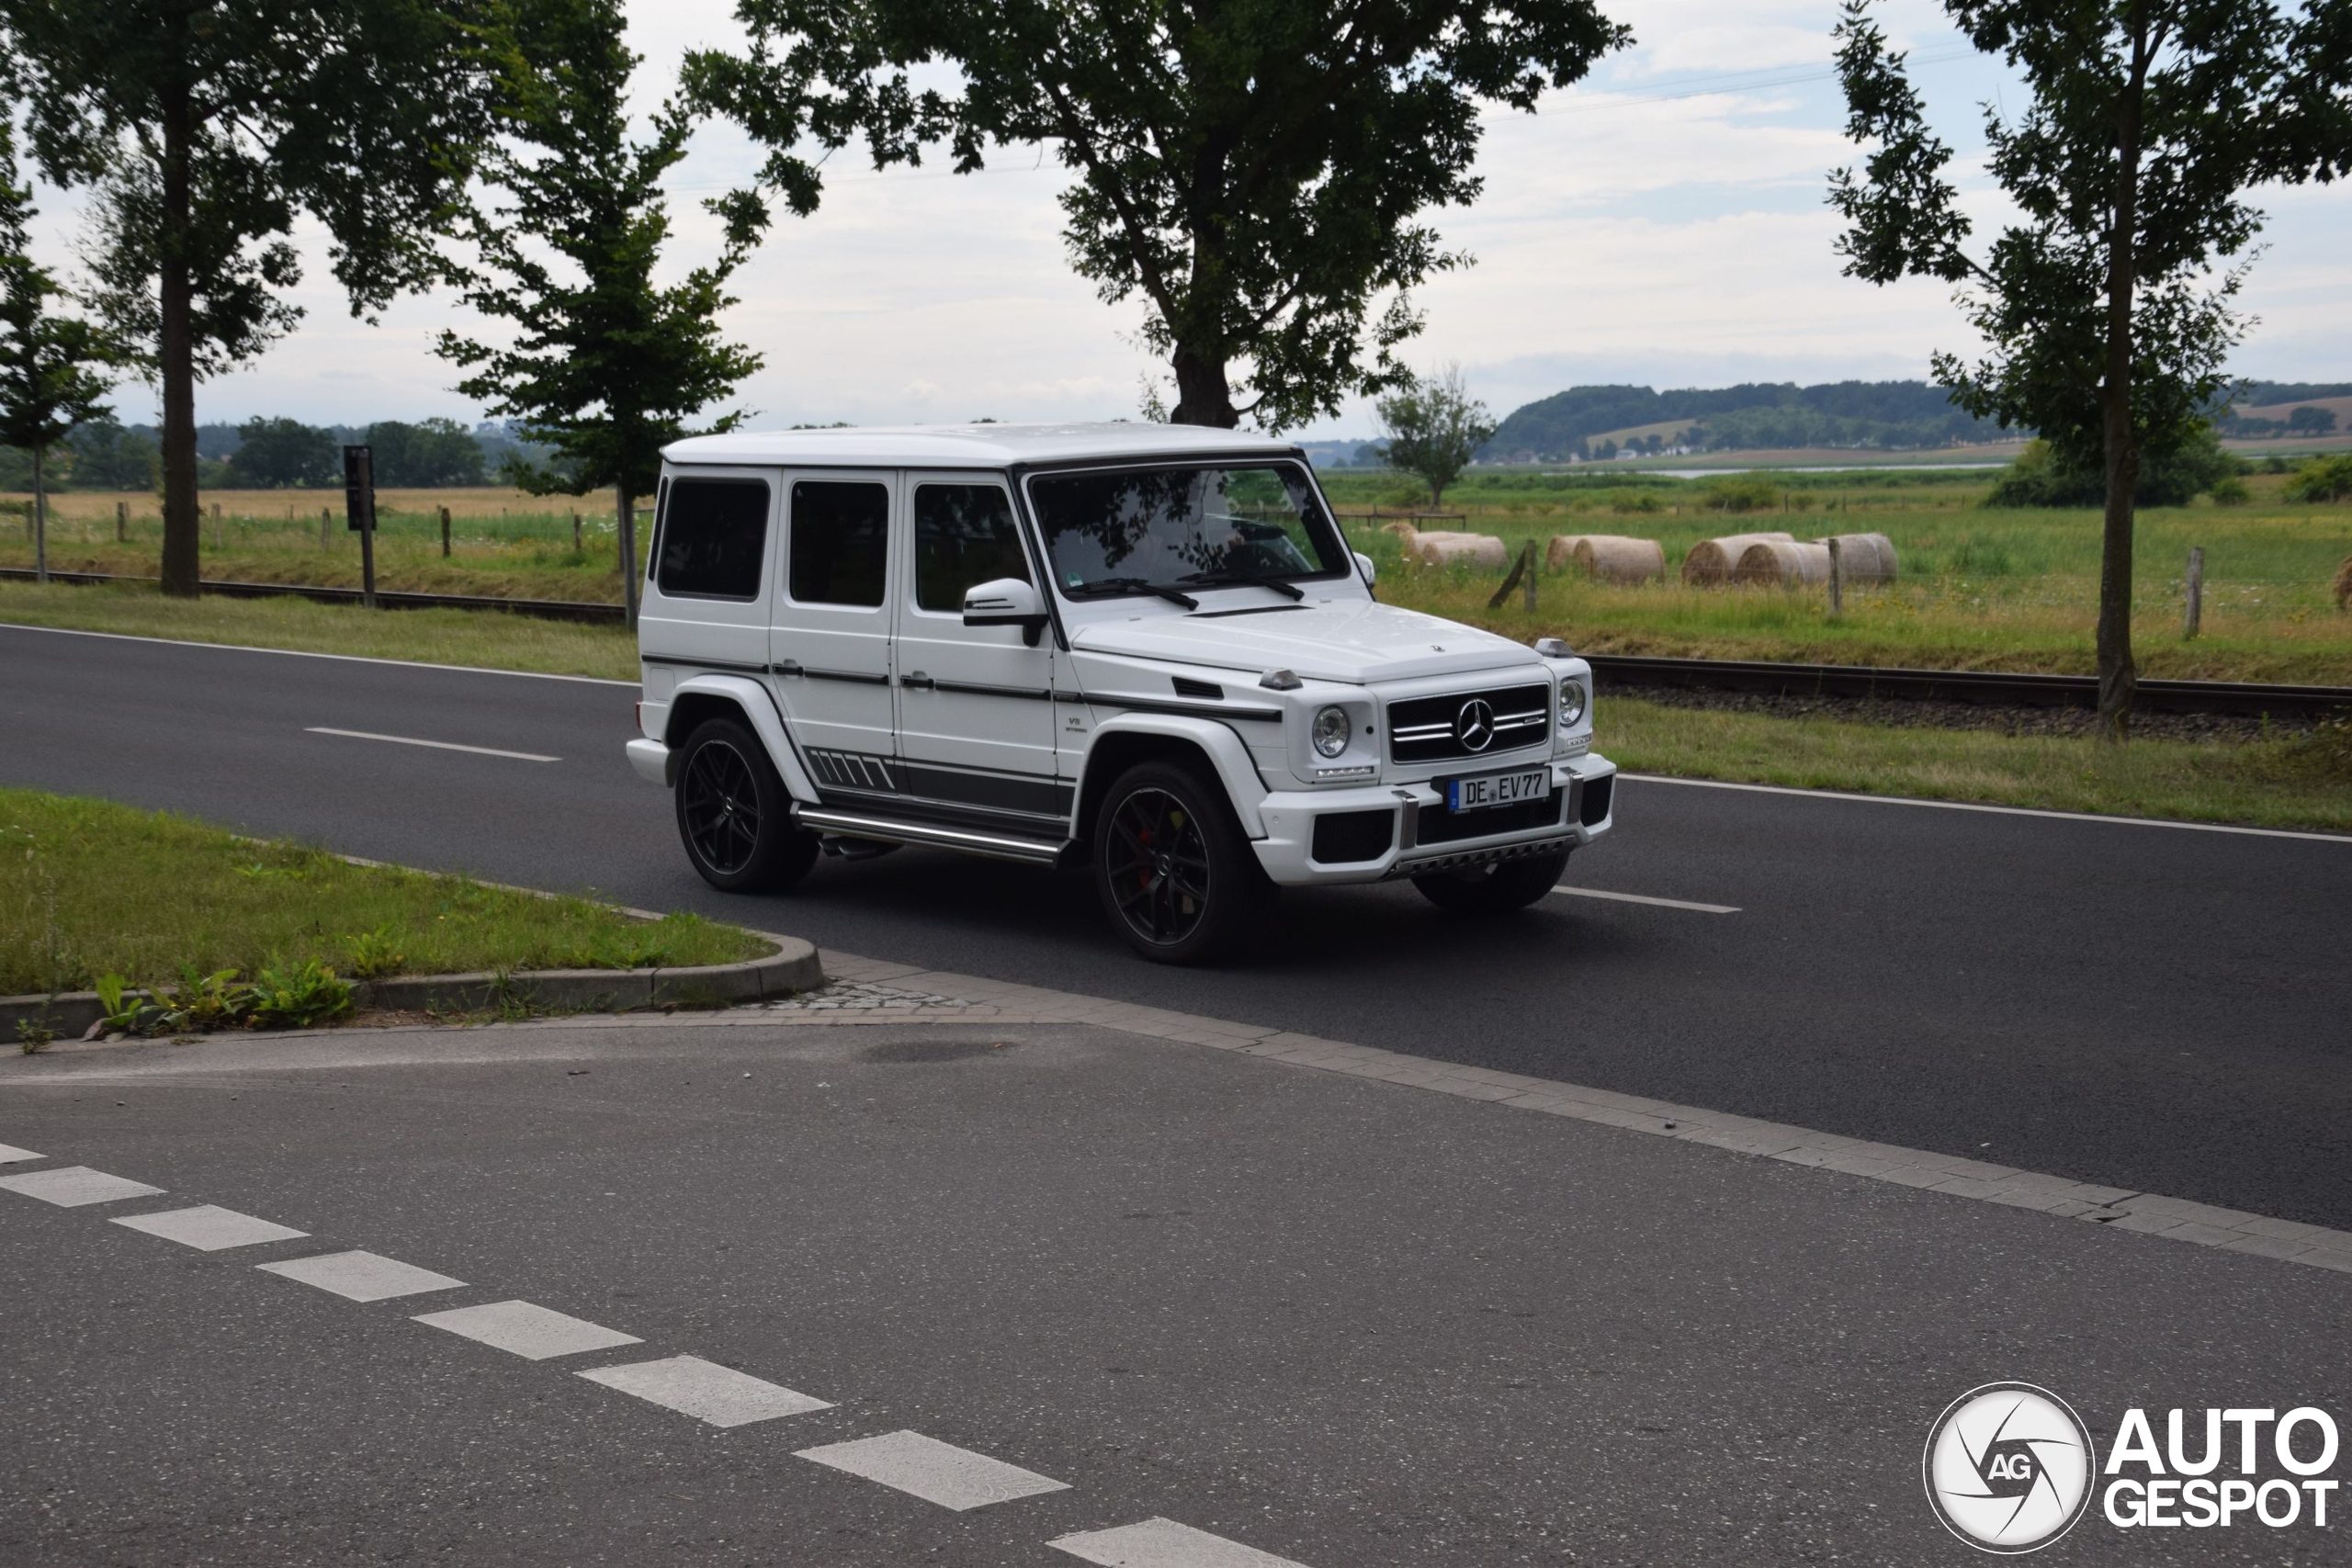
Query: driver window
(964, 537)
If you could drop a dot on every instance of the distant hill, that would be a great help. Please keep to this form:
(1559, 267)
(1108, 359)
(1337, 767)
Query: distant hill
(1891, 415)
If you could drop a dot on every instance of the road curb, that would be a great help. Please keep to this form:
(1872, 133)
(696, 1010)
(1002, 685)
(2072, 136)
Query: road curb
(794, 967)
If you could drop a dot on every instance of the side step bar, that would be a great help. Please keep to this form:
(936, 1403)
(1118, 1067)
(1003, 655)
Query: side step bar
(1035, 852)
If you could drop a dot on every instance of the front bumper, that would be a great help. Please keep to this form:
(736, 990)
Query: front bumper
(1584, 786)
(651, 760)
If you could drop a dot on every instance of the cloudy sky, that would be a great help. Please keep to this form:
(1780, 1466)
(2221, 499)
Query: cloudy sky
(1662, 223)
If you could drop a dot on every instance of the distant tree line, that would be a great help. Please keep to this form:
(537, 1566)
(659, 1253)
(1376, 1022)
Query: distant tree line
(283, 453)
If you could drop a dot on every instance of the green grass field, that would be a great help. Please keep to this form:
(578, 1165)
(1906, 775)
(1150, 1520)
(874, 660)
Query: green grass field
(89, 888)
(1980, 588)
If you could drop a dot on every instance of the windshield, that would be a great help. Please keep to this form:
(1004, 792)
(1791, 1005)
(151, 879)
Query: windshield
(1119, 531)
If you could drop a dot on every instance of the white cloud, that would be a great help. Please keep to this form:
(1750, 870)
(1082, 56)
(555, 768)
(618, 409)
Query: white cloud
(1660, 223)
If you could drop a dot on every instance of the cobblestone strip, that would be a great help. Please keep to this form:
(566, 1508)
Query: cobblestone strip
(943, 995)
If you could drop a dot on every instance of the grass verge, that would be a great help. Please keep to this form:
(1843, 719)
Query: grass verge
(2296, 782)
(89, 888)
(492, 639)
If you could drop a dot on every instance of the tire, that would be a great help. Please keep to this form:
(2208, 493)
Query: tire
(1496, 887)
(1172, 866)
(734, 813)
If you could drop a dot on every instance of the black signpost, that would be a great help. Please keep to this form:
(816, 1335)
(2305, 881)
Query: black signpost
(359, 506)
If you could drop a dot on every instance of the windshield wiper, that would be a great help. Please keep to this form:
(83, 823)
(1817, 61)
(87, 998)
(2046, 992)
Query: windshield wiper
(1173, 594)
(1225, 574)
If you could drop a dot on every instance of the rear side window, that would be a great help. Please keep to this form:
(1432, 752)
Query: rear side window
(840, 542)
(714, 537)
(964, 537)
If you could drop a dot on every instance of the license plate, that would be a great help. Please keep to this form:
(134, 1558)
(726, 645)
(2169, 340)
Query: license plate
(1497, 789)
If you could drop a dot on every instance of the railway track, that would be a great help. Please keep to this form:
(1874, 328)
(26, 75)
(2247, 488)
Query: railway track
(1988, 687)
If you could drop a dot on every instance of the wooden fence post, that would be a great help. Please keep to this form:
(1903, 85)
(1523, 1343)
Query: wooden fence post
(1836, 581)
(2196, 591)
(576, 546)
(445, 533)
(1521, 568)
(326, 522)
(122, 522)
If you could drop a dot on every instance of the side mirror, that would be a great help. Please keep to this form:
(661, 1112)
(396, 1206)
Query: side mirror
(1363, 564)
(1006, 602)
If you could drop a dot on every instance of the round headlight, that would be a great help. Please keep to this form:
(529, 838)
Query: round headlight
(1571, 702)
(1331, 731)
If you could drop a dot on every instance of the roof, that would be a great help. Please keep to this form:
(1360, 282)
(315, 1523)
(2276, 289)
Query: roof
(967, 446)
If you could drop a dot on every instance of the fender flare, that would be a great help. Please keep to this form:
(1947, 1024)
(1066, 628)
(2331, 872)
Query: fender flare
(761, 712)
(1235, 768)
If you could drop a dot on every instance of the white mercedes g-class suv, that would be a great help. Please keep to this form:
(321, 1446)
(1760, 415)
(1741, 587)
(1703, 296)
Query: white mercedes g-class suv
(1144, 650)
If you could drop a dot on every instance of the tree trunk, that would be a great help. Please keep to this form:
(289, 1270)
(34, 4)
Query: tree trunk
(175, 356)
(628, 517)
(2118, 677)
(40, 518)
(1203, 396)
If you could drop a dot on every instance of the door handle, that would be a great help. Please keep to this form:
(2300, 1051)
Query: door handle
(787, 667)
(917, 678)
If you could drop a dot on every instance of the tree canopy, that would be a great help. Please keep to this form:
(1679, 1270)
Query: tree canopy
(1433, 427)
(206, 131)
(1255, 171)
(2106, 322)
(53, 366)
(606, 367)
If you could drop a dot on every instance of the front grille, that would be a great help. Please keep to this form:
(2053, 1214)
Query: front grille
(1435, 730)
(1342, 836)
(1440, 826)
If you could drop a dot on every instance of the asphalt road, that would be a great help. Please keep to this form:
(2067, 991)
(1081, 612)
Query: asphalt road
(2150, 1008)
(1344, 1322)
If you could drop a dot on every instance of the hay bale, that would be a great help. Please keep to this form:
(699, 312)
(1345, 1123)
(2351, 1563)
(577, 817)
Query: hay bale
(2344, 584)
(1782, 563)
(1864, 559)
(1406, 533)
(1445, 550)
(1607, 558)
(1712, 560)
(1613, 558)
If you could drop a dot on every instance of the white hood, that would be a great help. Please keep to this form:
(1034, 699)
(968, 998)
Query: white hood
(1356, 641)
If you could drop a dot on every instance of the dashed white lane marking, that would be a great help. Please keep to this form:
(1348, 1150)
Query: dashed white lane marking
(435, 745)
(1994, 810)
(935, 1471)
(1164, 1543)
(74, 1185)
(10, 1154)
(208, 1228)
(361, 1276)
(1645, 899)
(706, 1390)
(534, 1333)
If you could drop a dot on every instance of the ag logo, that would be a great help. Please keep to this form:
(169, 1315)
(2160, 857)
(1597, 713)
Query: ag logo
(2008, 1468)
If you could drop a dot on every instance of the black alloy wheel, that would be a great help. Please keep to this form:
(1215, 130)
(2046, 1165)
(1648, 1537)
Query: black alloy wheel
(1173, 867)
(734, 813)
(1496, 887)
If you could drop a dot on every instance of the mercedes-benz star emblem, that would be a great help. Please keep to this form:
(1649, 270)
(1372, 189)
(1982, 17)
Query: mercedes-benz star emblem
(1475, 725)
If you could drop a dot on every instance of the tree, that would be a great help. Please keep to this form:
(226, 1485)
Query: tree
(108, 457)
(430, 455)
(205, 130)
(605, 368)
(2310, 421)
(1434, 427)
(1254, 169)
(284, 454)
(50, 375)
(2106, 325)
